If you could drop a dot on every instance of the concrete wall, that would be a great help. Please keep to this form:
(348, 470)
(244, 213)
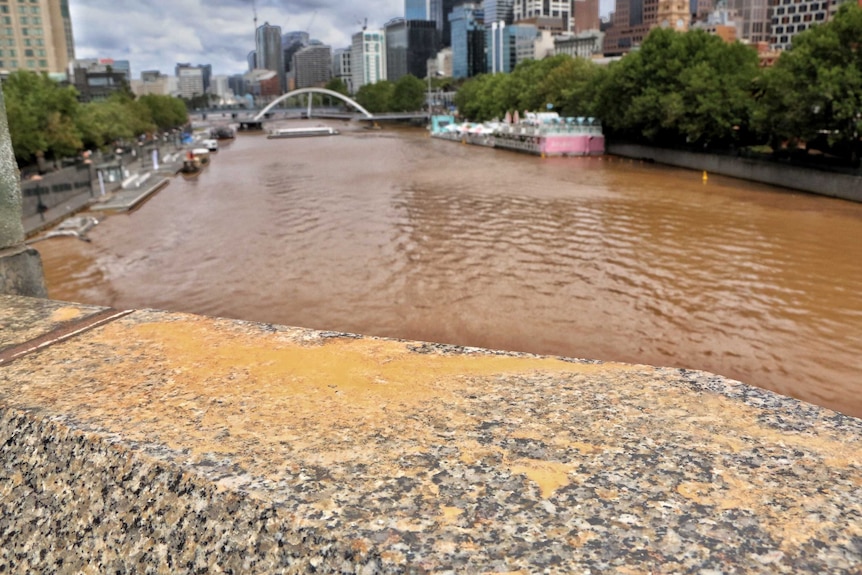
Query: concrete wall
(55, 188)
(831, 184)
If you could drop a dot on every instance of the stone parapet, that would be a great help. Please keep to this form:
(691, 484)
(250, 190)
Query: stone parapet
(152, 442)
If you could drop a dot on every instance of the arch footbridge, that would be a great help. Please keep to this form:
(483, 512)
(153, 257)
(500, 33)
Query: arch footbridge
(301, 91)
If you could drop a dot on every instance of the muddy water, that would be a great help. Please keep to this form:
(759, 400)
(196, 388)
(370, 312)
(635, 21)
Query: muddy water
(391, 233)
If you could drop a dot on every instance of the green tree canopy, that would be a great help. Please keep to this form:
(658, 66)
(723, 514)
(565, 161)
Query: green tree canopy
(814, 91)
(337, 85)
(166, 112)
(408, 95)
(568, 84)
(681, 89)
(376, 97)
(41, 115)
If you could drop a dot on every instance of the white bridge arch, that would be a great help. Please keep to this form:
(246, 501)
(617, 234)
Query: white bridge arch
(301, 91)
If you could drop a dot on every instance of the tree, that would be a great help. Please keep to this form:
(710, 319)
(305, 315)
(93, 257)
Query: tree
(813, 94)
(167, 112)
(376, 97)
(408, 94)
(338, 85)
(688, 88)
(571, 86)
(41, 116)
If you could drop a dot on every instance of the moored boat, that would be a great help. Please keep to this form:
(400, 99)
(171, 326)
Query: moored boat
(542, 134)
(302, 132)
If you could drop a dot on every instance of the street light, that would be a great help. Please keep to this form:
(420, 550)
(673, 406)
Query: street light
(436, 73)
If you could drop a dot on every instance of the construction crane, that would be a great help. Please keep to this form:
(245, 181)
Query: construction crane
(254, 8)
(363, 24)
(310, 22)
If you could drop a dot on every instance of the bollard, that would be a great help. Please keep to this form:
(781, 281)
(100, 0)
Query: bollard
(20, 265)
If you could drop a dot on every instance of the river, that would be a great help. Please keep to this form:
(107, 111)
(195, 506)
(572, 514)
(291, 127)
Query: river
(395, 234)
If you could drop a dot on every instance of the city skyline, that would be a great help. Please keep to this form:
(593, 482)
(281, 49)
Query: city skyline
(216, 32)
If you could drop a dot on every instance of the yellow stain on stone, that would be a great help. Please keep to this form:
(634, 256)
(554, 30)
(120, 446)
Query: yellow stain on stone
(449, 515)
(548, 475)
(65, 314)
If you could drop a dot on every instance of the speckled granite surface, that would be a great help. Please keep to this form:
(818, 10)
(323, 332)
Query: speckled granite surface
(23, 319)
(170, 443)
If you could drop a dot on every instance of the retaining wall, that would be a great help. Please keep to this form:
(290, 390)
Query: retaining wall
(831, 184)
(151, 442)
(56, 188)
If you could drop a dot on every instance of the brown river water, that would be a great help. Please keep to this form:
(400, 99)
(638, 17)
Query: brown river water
(392, 233)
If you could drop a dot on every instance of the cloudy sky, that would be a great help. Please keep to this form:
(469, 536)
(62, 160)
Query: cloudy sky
(156, 34)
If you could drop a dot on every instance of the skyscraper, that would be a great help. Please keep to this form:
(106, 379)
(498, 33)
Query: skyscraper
(633, 20)
(368, 57)
(586, 15)
(498, 11)
(417, 9)
(267, 40)
(36, 36)
(788, 19)
(439, 11)
(546, 14)
(409, 45)
(756, 25)
(468, 41)
(312, 66)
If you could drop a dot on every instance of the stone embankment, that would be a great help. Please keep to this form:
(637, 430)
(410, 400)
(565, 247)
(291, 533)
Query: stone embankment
(835, 185)
(151, 442)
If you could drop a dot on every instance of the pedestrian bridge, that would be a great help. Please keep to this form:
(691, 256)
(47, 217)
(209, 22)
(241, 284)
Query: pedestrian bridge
(252, 119)
(324, 91)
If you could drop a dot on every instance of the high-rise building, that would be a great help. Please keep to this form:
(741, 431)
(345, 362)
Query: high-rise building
(368, 57)
(554, 15)
(96, 79)
(468, 40)
(152, 82)
(236, 83)
(417, 9)
(788, 18)
(206, 73)
(498, 11)
(341, 67)
(291, 43)
(267, 40)
(633, 20)
(701, 9)
(36, 36)
(439, 11)
(586, 14)
(312, 66)
(409, 44)
(754, 15)
(190, 81)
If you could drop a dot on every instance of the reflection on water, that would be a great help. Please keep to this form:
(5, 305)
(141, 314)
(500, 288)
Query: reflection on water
(394, 234)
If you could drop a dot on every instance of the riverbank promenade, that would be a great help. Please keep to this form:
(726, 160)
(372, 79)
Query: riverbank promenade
(151, 442)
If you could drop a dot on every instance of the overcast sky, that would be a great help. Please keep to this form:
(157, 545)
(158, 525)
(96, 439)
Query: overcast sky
(156, 34)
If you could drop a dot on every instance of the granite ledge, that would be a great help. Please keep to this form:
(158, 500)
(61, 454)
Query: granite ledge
(170, 443)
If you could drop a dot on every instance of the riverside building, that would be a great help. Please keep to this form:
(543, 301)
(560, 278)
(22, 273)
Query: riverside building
(36, 36)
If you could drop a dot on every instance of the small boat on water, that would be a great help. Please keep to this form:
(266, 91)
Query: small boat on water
(195, 161)
(222, 133)
(302, 132)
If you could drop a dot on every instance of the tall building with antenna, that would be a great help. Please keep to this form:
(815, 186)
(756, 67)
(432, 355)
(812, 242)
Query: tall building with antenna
(267, 42)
